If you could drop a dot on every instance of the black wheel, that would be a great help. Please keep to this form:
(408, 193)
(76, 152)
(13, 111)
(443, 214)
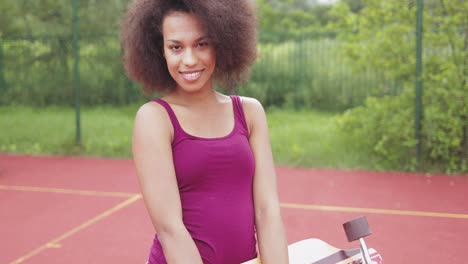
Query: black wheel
(357, 228)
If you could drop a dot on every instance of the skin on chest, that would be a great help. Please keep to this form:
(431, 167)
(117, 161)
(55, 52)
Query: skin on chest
(216, 121)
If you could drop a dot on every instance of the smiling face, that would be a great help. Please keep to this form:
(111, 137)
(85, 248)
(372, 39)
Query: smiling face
(189, 53)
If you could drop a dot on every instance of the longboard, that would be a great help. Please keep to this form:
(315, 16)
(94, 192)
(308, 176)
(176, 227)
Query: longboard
(316, 251)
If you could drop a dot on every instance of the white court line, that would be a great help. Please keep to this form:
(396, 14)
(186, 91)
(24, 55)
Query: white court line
(64, 191)
(370, 210)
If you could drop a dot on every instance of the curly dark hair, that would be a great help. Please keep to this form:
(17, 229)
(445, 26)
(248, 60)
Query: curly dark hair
(231, 25)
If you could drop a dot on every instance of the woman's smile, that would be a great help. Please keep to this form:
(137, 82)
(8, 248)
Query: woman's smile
(191, 76)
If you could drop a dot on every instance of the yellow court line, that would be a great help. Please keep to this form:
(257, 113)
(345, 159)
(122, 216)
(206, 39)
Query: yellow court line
(371, 210)
(56, 242)
(64, 191)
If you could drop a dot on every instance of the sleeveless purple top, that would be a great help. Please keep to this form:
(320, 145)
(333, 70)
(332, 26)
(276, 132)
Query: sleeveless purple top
(215, 180)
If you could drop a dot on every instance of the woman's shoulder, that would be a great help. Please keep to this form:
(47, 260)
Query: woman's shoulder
(253, 111)
(151, 110)
(152, 116)
(251, 105)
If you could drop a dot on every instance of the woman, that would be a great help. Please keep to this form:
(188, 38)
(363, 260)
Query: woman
(203, 159)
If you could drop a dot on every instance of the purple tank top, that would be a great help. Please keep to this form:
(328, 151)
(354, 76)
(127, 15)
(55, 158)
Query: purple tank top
(215, 180)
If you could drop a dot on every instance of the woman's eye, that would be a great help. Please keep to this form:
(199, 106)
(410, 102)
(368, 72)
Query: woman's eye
(175, 48)
(203, 44)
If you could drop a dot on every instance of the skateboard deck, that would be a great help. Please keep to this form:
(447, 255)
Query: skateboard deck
(316, 251)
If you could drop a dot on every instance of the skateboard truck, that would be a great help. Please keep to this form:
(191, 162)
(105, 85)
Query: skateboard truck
(357, 229)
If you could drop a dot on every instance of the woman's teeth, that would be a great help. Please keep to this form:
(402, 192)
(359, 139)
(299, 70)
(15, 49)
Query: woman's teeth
(191, 76)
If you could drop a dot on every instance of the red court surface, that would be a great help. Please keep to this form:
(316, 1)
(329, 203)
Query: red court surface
(87, 210)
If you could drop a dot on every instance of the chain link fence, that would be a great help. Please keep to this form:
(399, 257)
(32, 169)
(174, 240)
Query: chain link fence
(305, 72)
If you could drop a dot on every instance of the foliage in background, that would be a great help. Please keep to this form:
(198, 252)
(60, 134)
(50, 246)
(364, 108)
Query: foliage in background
(36, 62)
(326, 57)
(385, 40)
(294, 17)
(311, 73)
(33, 19)
(300, 63)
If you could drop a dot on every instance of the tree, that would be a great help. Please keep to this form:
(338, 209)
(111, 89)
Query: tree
(50, 17)
(386, 41)
(296, 17)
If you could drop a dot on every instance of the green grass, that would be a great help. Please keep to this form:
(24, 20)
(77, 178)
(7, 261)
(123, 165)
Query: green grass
(312, 139)
(105, 132)
(304, 138)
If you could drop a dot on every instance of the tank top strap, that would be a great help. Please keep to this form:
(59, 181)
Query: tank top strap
(178, 131)
(239, 112)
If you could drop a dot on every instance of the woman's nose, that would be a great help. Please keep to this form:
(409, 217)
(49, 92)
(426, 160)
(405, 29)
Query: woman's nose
(190, 58)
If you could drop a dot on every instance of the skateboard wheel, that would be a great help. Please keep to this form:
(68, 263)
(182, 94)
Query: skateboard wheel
(357, 228)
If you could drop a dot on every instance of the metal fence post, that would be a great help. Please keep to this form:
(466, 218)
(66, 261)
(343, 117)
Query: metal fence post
(2, 70)
(418, 84)
(76, 71)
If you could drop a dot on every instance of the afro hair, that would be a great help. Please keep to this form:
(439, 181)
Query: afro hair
(231, 25)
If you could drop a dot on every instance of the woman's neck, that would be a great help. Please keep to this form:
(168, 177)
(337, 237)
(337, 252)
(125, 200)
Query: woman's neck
(201, 98)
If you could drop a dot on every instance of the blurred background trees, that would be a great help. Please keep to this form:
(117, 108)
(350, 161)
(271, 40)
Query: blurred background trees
(352, 57)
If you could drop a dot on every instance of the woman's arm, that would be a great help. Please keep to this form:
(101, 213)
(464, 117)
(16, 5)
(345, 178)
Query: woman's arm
(269, 225)
(152, 154)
